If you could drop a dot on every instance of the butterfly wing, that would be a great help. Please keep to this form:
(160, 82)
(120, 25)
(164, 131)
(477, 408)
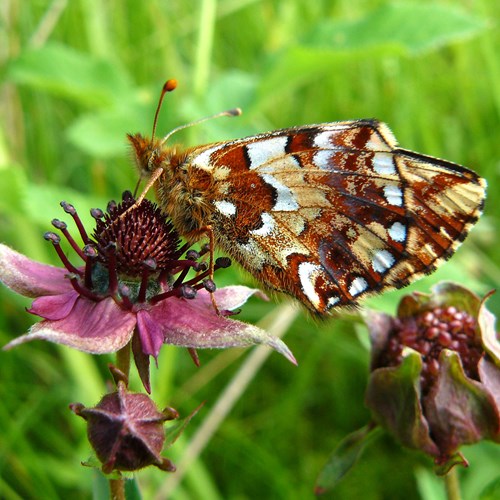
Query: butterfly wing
(330, 212)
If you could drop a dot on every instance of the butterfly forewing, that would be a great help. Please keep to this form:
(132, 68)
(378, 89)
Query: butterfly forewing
(330, 212)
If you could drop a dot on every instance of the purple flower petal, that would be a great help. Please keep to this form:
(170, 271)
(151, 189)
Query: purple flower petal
(459, 410)
(230, 297)
(187, 323)
(150, 333)
(54, 307)
(489, 373)
(393, 396)
(30, 278)
(94, 327)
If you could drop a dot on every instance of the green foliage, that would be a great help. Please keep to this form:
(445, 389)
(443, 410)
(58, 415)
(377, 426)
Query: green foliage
(78, 76)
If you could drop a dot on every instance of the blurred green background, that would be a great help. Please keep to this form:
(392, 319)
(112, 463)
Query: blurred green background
(76, 76)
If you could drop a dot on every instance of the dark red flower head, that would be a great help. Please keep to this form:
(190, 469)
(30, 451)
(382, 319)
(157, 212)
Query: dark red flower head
(435, 381)
(135, 282)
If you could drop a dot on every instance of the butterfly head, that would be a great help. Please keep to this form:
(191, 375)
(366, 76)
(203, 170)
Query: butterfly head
(148, 153)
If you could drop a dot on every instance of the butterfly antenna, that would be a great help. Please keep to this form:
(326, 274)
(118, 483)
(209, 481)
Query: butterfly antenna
(167, 87)
(172, 85)
(228, 112)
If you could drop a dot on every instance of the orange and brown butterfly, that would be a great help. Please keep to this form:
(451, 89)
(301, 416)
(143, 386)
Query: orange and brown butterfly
(326, 213)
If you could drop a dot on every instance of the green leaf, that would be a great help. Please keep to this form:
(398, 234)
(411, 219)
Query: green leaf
(491, 491)
(42, 204)
(103, 134)
(69, 73)
(406, 28)
(174, 431)
(343, 458)
(132, 491)
(13, 187)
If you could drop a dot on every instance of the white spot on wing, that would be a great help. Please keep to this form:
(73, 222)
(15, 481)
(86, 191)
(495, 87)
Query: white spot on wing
(383, 164)
(267, 226)
(263, 151)
(307, 276)
(393, 195)
(323, 159)
(285, 200)
(203, 159)
(322, 140)
(225, 208)
(358, 285)
(397, 232)
(332, 301)
(382, 261)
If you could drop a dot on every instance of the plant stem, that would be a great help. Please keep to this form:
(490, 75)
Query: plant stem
(452, 485)
(123, 359)
(117, 486)
(117, 489)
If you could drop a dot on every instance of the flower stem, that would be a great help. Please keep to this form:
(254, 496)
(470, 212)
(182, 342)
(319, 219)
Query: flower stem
(117, 489)
(452, 485)
(117, 486)
(123, 359)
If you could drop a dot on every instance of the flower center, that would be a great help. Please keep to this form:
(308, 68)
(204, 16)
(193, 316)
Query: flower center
(431, 332)
(133, 256)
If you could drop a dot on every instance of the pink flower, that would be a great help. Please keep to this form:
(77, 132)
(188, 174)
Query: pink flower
(133, 286)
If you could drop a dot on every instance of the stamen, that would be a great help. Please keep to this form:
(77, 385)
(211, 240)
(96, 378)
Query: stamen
(185, 291)
(198, 278)
(188, 264)
(96, 213)
(222, 263)
(192, 255)
(112, 206)
(182, 249)
(113, 276)
(204, 249)
(63, 227)
(75, 281)
(208, 285)
(124, 297)
(55, 240)
(91, 255)
(188, 292)
(70, 209)
(149, 265)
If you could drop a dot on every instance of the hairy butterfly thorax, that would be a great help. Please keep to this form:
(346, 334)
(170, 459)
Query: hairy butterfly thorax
(326, 213)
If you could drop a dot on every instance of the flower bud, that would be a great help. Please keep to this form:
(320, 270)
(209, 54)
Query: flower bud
(126, 431)
(435, 381)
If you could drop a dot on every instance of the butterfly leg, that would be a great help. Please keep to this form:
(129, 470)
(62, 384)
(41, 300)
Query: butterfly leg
(154, 177)
(211, 248)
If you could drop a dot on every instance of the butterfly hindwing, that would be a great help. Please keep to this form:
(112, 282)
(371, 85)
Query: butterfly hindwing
(330, 212)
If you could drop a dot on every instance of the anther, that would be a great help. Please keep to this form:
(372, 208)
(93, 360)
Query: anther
(59, 224)
(200, 266)
(192, 255)
(188, 292)
(222, 262)
(124, 295)
(209, 285)
(56, 240)
(96, 213)
(112, 205)
(70, 209)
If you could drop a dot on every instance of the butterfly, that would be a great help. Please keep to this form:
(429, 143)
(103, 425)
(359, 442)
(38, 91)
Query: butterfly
(326, 213)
